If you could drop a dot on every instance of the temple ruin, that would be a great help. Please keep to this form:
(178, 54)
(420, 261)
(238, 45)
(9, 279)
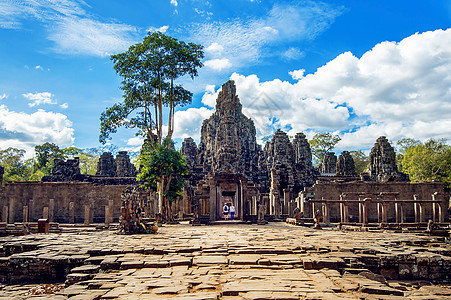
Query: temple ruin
(228, 166)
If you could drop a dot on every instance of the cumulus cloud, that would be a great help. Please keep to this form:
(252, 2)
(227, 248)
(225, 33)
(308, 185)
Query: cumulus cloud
(3, 96)
(395, 89)
(214, 48)
(218, 64)
(40, 98)
(297, 74)
(24, 131)
(174, 2)
(187, 123)
(64, 105)
(161, 29)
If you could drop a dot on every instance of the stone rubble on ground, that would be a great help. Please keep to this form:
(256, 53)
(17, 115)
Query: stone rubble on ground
(278, 261)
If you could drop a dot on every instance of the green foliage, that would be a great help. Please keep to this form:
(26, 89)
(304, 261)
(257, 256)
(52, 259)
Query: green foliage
(361, 161)
(45, 155)
(148, 72)
(321, 143)
(162, 163)
(15, 167)
(88, 163)
(429, 161)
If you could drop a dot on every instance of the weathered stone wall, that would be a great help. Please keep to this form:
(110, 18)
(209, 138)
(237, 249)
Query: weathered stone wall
(424, 191)
(57, 197)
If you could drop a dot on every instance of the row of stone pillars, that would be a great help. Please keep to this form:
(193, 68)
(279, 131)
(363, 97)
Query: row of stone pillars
(382, 209)
(48, 213)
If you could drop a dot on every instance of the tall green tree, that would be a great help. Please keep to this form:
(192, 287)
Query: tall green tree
(163, 164)
(16, 168)
(428, 161)
(321, 143)
(149, 72)
(45, 155)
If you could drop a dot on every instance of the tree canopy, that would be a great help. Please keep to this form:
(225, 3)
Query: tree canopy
(428, 161)
(361, 161)
(163, 167)
(321, 143)
(149, 71)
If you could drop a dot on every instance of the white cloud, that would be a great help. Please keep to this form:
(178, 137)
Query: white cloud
(297, 74)
(174, 2)
(210, 95)
(214, 48)
(161, 29)
(218, 64)
(247, 40)
(39, 68)
(187, 123)
(64, 105)
(292, 54)
(24, 131)
(3, 96)
(135, 141)
(40, 98)
(90, 37)
(395, 89)
(73, 30)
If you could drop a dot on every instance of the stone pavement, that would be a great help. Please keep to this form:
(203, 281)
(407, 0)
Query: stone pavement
(275, 261)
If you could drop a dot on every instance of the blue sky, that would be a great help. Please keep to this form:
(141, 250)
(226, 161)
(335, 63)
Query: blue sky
(361, 69)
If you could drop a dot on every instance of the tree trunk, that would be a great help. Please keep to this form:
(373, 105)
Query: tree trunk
(160, 188)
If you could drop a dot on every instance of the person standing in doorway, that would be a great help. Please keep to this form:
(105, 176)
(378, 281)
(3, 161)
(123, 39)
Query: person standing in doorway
(232, 212)
(225, 211)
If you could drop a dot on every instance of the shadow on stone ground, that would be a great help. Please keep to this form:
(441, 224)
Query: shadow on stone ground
(275, 261)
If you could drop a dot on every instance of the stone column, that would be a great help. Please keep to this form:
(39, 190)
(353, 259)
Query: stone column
(87, 214)
(31, 210)
(45, 212)
(360, 211)
(213, 200)
(398, 212)
(439, 207)
(286, 201)
(384, 213)
(379, 212)
(25, 214)
(51, 209)
(5, 214)
(326, 215)
(107, 215)
(111, 205)
(71, 212)
(365, 213)
(11, 209)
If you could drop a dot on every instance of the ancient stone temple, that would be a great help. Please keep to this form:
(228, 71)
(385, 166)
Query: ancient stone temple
(106, 165)
(329, 164)
(345, 165)
(383, 163)
(124, 168)
(228, 142)
(229, 167)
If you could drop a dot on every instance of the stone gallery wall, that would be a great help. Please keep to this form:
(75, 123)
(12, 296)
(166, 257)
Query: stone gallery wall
(64, 201)
(406, 190)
